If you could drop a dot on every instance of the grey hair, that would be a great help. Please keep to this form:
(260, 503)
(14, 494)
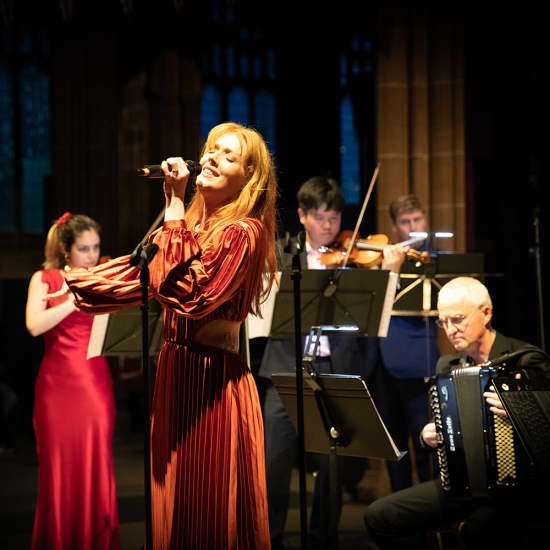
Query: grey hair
(465, 288)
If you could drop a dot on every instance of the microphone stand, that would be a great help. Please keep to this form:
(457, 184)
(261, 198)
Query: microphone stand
(141, 257)
(296, 249)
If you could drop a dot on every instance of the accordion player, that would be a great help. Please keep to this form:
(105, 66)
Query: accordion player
(480, 453)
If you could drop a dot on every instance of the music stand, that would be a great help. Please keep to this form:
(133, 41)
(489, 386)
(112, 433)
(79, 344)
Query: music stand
(119, 334)
(354, 413)
(416, 297)
(347, 297)
(353, 302)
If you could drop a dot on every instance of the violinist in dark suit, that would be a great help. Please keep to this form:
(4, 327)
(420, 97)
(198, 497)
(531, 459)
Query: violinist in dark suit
(320, 211)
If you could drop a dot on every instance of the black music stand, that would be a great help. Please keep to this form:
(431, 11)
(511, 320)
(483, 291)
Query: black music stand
(353, 302)
(416, 296)
(119, 334)
(336, 297)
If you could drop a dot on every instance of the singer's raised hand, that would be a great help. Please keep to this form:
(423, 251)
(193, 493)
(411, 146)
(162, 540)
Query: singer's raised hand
(176, 175)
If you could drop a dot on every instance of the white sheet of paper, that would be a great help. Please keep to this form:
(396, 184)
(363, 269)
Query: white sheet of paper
(257, 327)
(97, 336)
(391, 289)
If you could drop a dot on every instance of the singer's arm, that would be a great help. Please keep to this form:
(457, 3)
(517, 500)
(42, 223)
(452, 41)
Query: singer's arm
(176, 175)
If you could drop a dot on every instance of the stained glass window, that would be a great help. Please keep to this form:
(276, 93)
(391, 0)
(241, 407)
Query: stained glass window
(7, 151)
(211, 109)
(25, 138)
(229, 92)
(356, 87)
(264, 111)
(349, 154)
(35, 144)
(238, 110)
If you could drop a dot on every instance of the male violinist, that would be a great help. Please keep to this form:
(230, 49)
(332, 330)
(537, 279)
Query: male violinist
(408, 357)
(320, 206)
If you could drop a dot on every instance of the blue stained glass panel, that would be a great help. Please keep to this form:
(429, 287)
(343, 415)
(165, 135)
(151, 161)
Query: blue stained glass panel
(349, 154)
(35, 145)
(216, 60)
(257, 66)
(243, 61)
(238, 106)
(343, 71)
(211, 109)
(264, 114)
(230, 54)
(7, 148)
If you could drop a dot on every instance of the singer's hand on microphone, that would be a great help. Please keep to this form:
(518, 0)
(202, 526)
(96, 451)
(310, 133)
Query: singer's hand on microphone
(176, 175)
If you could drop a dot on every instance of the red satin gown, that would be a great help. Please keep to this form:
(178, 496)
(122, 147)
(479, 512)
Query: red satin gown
(74, 416)
(207, 455)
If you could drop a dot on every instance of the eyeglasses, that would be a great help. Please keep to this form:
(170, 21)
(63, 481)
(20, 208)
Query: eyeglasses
(455, 320)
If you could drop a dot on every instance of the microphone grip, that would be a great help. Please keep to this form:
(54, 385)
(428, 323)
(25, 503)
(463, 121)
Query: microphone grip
(154, 171)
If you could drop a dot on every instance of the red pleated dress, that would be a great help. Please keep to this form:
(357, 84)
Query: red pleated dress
(74, 418)
(207, 454)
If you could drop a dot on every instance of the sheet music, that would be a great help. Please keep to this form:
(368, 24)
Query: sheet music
(257, 327)
(97, 336)
(391, 289)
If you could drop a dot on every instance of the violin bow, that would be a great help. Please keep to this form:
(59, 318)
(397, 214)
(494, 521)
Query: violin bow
(362, 213)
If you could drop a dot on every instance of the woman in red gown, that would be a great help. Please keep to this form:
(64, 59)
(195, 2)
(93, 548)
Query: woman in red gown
(207, 455)
(74, 410)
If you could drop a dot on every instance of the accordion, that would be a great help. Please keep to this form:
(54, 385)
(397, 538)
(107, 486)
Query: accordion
(480, 453)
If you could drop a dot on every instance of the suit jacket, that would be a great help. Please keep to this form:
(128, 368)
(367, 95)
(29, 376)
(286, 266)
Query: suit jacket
(502, 344)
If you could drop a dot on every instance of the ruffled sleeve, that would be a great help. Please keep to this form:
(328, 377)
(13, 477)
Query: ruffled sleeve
(106, 287)
(195, 282)
(183, 277)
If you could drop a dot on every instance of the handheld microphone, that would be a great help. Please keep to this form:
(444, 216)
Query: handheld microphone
(154, 171)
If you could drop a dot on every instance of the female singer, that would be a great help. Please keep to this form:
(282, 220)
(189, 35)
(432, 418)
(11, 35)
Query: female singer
(207, 457)
(74, 409)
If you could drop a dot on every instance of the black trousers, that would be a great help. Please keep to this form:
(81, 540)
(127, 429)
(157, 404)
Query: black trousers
(400, 520)
(281, 443)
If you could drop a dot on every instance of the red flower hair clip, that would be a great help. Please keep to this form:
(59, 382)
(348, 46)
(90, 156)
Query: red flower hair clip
(62, 219)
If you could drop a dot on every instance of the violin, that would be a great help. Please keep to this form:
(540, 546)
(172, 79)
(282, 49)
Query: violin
(366, 252)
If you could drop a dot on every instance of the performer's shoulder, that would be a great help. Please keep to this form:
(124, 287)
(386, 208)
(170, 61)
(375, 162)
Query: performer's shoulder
(248, 225)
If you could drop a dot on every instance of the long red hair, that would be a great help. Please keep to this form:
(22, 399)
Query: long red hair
(256, 200)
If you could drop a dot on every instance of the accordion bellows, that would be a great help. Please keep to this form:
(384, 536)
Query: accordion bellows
(480, 451)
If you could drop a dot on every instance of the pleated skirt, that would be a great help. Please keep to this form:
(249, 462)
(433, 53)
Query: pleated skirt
(208, 489)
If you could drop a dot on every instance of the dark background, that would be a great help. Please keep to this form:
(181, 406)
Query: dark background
(98, 46)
